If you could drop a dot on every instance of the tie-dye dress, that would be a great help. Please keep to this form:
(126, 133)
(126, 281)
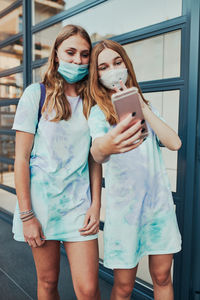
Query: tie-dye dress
(140, 215)
(59, 174)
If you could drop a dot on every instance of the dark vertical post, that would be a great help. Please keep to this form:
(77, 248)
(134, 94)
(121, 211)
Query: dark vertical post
(196, 216)
(190, 271)
(27, 42)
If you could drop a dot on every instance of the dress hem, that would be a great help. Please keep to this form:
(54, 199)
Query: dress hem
(93, 237)
(145, 254)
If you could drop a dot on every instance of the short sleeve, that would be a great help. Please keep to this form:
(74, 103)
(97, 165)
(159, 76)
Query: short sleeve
(97, 123)
(26, 117)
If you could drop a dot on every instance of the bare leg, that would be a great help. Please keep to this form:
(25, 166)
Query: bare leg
(160, 270)
(84, 263)
(124, 280)
(47, 262)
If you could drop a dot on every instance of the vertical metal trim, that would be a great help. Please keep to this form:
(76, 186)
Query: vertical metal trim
(190, 74)
(195, 264)
(27, 42)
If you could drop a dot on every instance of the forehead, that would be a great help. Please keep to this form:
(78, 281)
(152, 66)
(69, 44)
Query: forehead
(75, 41)
(107, 55)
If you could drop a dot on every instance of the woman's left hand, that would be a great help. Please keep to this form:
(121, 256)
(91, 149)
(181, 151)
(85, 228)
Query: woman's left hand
(91, 222)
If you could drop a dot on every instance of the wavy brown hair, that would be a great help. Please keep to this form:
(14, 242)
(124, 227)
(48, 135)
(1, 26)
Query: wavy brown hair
(96, 93)
(54, 82)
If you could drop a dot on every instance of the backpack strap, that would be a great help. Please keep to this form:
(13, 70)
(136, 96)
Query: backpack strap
(42, 99)
(41, 103)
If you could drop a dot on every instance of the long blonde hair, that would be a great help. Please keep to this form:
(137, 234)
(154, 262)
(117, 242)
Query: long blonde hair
(96, 93)
(54, 82)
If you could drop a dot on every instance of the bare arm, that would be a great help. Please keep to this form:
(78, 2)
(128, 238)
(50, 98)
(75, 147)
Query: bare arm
(168, 137)
(117, 140)
(95, 181)
(32, 229)
(165, 133)
(23, 146)
(92, 219)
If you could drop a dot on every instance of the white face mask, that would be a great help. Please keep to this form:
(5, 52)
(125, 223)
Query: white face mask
(111, 78)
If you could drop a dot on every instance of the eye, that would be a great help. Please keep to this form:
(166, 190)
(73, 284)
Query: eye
(102, 68)
(118, 62)
(85, 55)
(70, 52)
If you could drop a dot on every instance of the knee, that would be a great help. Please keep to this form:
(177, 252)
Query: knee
(88, 290)
(48, 283)
(162, 279)
(124, 289)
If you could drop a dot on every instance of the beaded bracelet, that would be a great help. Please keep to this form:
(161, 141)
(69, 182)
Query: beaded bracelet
(28, 218)
(26, 212)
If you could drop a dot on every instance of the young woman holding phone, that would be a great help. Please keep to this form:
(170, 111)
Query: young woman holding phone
(140, 216)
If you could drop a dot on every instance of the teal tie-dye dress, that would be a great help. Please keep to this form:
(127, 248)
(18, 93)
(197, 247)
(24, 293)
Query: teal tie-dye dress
(140, 214)
(59, 174)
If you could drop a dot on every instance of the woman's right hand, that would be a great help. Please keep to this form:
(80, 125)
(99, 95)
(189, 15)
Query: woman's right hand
(33, 233)
(124, 137)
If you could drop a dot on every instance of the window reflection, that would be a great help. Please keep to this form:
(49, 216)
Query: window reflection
(44, 40)
(46, 9)
(99, 30)
(126, 15)
(7, 175)
(39, 73)
(5, 4)
(11, 24)
(11, 56)
(7, 147)
(11, 86)
(167, 104)
(157, 57)
(7, 114)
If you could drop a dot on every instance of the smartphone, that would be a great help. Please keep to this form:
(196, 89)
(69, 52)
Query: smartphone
(126, 102)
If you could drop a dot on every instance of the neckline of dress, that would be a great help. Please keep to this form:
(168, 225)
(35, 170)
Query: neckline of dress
(73, 97)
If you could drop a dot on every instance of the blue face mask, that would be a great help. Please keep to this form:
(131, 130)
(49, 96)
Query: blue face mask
(72, 72)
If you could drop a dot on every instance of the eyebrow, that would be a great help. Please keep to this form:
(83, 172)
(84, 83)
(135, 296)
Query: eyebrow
(115, 58)
(74, 49)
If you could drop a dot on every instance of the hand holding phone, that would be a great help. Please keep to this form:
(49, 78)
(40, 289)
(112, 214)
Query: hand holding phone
(126, 102)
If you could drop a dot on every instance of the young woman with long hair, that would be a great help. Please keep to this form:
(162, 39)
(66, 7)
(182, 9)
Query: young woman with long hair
(57, 199)
(140, 216)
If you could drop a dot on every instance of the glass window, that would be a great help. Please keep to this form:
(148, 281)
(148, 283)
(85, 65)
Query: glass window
(101, 249)
(7, 114)
(100, 24)
(5, 4)
(7, 200)
(6, 174)
(11, 86)
(7, 147)
(11, 56)
(10, 24)
(167, 103)
(157, 57)
(43, 41)
(165, 49)
(46, 9)
(38, 73)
